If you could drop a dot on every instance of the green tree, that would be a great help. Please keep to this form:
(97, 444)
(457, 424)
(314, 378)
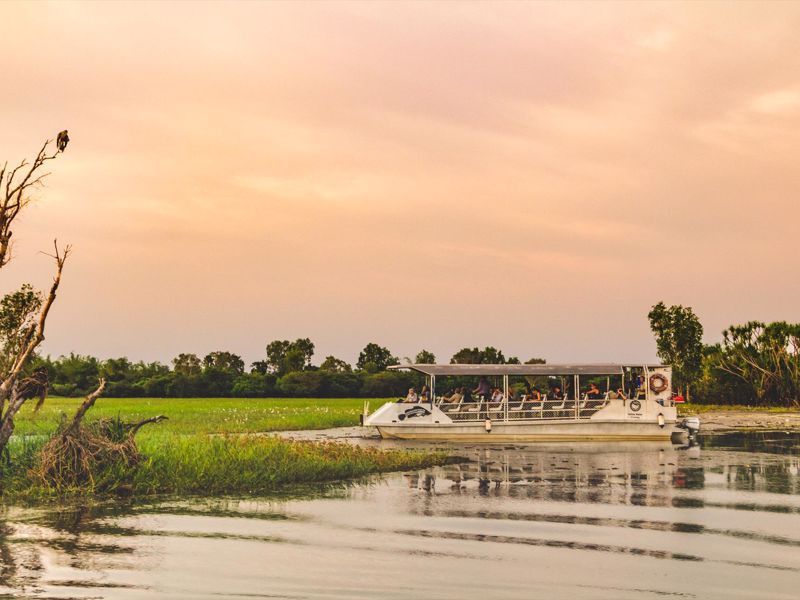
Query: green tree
(766, 357)
(474, 356)
(116, 369)
(226, 362)
(374, 358)
(284, 356)
(331, 363)
(254, 385)
(467, 356)
(83, 371)
(679, 341)
(294, 360)
(18, 313)
(425, 357)
(276, 352)
(260, 366)
(187, 364)
(536, 361)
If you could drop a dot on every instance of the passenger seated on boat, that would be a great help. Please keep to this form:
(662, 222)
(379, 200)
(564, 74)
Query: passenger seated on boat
(424, 394)
(483, 389)
(452, 401)
(496, 404)
(556, 393)
(412, 397)
(594, 392)
(618, 395)
(470, 404)
(528, 390)
(534, 402)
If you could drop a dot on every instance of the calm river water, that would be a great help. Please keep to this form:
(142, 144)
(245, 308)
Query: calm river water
(720, 520)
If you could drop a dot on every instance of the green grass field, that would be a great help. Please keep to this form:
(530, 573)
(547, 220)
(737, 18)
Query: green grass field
(198, 450)
(204, 415)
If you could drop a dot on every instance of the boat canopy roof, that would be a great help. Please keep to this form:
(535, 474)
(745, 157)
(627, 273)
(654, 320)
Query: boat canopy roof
(563, 369)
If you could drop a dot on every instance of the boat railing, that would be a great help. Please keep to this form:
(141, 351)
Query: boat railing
(559, 409)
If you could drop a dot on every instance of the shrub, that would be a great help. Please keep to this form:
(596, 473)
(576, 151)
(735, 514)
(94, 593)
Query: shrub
(389, 383)
(254, 385)
(69, 390)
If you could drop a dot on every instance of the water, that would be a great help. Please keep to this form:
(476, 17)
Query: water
(719, 520)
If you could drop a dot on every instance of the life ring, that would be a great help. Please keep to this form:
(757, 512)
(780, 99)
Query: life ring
(658, 383)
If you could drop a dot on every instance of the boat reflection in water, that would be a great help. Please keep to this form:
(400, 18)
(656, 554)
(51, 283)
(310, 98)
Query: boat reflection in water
(619, 473)
(582, 520)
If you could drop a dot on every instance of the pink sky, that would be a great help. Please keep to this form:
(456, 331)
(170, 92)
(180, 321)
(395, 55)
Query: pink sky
(528, 176)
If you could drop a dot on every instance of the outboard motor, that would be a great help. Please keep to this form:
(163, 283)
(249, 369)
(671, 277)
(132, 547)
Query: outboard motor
(691, 424)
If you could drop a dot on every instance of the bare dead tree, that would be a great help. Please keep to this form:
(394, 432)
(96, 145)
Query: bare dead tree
(16, 184)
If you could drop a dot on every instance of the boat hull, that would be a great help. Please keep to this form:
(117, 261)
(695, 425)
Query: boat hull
(540, 431)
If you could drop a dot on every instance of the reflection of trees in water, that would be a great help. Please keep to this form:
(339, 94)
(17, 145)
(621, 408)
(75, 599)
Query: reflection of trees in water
(773, 477)
(769, 442)
(77, 537)
(19, 564)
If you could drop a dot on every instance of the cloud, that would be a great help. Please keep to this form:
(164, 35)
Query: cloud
(780, 102)
(659, 40)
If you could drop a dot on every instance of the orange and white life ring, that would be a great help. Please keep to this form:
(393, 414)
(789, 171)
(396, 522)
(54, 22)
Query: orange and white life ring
(658, 383)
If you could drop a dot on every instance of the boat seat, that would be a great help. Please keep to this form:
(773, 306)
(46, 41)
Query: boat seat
(556, 408)
(518, 404)
(495, 409)
(531, 407)
(451, 406)
(473, 406)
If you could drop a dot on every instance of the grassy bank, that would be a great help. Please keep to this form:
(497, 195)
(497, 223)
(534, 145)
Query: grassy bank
(214, 465)
(206, 415)
(199, 449)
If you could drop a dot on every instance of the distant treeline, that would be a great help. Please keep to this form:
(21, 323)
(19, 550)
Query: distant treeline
(286, 370)
(755, 364)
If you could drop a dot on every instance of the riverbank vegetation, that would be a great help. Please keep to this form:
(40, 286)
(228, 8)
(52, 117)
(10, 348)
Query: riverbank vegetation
(205, 446)
(755, 364)
(208, 465)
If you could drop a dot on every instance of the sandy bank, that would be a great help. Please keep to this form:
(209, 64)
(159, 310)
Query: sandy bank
(733, 420)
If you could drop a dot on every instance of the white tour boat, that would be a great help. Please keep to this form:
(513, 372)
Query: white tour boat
(613, 411)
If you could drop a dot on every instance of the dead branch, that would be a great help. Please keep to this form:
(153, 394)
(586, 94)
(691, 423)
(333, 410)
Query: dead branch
(85, 406)
(18, 182)
(14, 187)
(135, 427)
(10, 378)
